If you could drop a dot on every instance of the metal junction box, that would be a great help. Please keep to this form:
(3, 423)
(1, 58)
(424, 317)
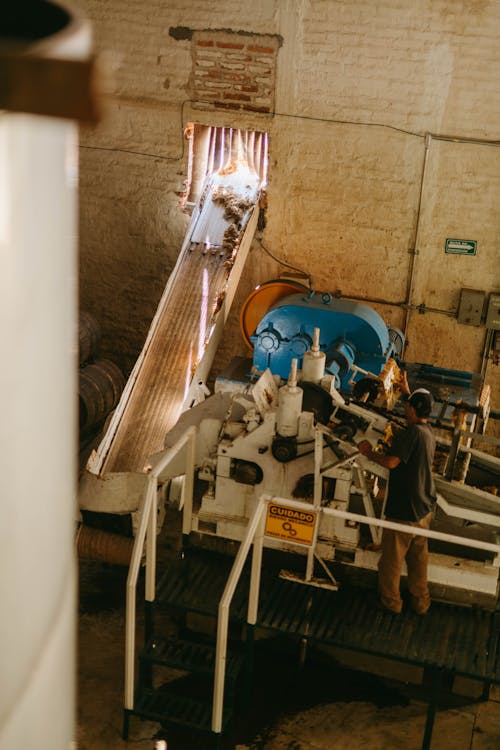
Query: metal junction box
(493, 313)
(470, 308)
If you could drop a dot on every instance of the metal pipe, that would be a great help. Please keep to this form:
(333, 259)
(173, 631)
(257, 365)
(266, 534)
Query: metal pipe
(292, 377)
(253, 599)
(464, 139)
(133, 574)
(187, 511)
(151, 542)
(391, 303)
(411, 274)
(340, 295)
(315, 343)
(317, 496)
(467, 514)
(488, 342)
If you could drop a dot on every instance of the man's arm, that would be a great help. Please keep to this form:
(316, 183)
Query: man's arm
(403, 384)
(385, 460)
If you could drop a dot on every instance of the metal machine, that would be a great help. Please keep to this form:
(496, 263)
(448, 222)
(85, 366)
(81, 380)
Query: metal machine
(325, 374)
(298, 440)
(352, 336)
(270, 463)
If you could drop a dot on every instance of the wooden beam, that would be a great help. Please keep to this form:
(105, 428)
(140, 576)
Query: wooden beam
(52, 87)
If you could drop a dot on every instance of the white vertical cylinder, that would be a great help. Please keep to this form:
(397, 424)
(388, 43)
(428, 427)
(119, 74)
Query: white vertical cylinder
(313, 362)
(289, 405)
(38, 305)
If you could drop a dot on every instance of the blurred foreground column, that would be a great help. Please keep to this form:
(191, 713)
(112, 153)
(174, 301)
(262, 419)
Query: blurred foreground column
(45, 74)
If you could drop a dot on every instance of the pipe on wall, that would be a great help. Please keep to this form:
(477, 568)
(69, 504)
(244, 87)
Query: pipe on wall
(38, 330)
(414, 251)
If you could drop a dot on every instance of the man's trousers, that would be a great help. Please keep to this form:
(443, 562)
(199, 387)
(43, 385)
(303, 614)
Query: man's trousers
(396, 547)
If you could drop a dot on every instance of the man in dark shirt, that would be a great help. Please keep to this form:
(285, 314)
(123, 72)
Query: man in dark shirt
(411, 498)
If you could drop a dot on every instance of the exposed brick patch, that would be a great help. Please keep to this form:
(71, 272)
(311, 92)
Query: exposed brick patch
(229, 45)
(258, 109)
(254, 48)
(241, 77)
(232, 66)
(238, 96)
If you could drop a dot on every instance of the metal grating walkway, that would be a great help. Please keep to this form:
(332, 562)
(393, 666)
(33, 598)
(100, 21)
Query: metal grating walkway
(157, 705)
(191, 656)
(460, 640)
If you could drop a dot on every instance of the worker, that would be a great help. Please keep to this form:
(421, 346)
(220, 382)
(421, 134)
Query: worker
(410, 500)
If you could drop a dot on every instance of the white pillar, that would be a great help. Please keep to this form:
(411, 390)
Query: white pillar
(38, 426)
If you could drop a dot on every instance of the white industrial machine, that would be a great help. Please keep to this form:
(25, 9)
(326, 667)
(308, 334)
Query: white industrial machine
(298, 439)
(325, 374)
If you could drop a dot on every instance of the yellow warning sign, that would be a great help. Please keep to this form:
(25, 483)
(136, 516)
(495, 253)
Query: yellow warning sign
(290, 524)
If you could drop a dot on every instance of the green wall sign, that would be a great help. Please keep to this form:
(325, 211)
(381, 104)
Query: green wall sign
(461, 247)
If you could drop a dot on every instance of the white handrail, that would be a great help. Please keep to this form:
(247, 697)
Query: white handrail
(414, 530)
(147, 525)
(223, 612)
(133, 574)
(258, 519)
(151, 541)
(187, 508)
(147, 528)
(468, 514)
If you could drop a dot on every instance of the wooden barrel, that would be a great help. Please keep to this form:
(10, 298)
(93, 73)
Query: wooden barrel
(94, 544)
(89, 336)
(99, 390)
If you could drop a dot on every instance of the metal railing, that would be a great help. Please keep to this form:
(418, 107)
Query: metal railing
(255, 535)
(146, 532)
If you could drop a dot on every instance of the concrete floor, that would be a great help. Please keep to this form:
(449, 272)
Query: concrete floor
(336, 701)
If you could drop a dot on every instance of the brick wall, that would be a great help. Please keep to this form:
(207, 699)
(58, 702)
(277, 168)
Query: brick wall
(234, 71)
(347, 94)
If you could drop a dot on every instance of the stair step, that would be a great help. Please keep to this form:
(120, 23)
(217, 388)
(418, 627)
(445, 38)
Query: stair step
(169, 707)
(190, 656)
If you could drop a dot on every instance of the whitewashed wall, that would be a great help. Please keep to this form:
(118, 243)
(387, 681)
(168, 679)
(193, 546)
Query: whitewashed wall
(358, 86)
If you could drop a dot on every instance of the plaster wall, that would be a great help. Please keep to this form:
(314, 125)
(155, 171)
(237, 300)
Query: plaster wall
(357, 194)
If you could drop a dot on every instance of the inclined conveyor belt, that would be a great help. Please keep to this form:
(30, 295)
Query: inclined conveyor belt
(183, 337)
(168, 367)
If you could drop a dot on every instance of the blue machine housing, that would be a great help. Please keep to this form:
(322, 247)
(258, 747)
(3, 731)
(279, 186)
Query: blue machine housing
(350, 334)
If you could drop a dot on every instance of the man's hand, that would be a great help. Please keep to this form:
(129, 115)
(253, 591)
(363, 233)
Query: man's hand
(403, 383)
(364, 447)
(387, 461)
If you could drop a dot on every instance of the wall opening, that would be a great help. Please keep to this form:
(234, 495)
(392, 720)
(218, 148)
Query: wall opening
(222, 150)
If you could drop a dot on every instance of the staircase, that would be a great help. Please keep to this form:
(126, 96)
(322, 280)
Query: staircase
(450, 640)
(186, 700)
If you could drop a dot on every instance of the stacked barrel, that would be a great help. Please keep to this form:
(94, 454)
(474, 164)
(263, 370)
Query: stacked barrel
(100, 385)
(101, 382)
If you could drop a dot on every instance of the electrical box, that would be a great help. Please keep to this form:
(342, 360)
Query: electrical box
(493, 313)
(470, 308)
